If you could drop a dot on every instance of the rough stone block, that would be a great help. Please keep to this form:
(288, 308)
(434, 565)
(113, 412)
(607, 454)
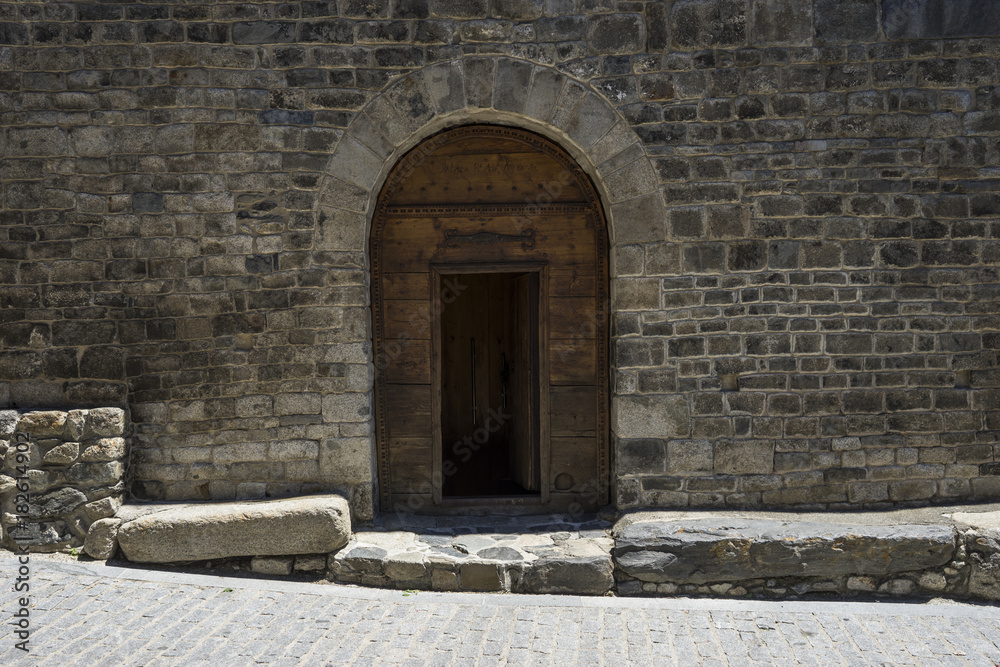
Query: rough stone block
(782, 22)
(572, 576)
(617, 33)
(481, 577)
(512, 80)
(306, 525)
(104, 449)
(406, 567)
(444, 85)
(715, 549)
(982, 542)
(272, 566)
(103, 508)
(846, 21)
(102, 538)
(315, 563)
(63, 454)
(708, 23)
(663, 416)
(58, 503)
(105, 423)
(642, 456)
(689, 456)
(42, 424)
(744, 457)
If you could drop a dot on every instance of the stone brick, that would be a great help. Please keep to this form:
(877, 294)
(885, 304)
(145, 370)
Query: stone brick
(617, 33)
(263, 32)
(708, 24)
(480, 577)
(643, 456)
(651, 416)
(744, 457)
(912, 489)
(785, 22)
(846, 22)
(689, 456)
(633, 352)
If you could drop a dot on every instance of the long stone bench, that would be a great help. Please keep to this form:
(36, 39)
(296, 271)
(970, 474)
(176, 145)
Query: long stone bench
(928, 551)
(193, 532)
(718, 549)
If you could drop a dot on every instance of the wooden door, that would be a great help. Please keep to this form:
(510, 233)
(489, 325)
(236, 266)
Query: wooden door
(524, 451)
(489, 292)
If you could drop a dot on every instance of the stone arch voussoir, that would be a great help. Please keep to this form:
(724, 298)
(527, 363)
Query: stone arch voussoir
(489, 89)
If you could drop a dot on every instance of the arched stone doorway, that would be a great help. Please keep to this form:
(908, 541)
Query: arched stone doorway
(490, 315)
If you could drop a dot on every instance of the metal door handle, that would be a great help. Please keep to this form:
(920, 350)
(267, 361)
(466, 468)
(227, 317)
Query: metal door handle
(475, 406)
(504, 374)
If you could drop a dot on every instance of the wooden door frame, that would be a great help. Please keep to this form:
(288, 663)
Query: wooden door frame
(541, 381)
(381, 214)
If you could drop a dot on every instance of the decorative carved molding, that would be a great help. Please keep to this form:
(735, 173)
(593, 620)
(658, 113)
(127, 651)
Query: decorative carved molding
(453, 238)
(495, 210)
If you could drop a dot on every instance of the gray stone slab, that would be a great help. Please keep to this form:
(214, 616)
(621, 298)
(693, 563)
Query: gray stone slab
(472, 543)
(591, 575)
(721, 549)
(500, 553)
(307, 525)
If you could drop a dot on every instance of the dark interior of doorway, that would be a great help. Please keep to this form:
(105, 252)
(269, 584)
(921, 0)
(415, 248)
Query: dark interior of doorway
(489, 379)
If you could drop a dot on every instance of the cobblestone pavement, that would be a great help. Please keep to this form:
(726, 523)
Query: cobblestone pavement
(92, 614)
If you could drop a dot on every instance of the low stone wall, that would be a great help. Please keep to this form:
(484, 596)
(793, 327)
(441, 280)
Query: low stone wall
(737, 557)
(62, 471)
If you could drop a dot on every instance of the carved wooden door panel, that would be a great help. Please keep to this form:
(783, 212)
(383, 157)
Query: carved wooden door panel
(489, 292)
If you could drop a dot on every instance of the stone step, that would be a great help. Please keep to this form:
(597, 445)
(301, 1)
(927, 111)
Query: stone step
(706, 553)
(952, 552)
(570, 562)
(194, 532)
(721, 549)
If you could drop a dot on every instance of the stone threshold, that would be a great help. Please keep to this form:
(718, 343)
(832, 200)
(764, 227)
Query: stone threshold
(932, 552)
(517, 554)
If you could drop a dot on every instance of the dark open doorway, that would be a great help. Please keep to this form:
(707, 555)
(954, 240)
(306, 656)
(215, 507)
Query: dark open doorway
(489, 365)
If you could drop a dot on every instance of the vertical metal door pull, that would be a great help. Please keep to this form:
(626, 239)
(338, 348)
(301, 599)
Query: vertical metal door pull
(504, 375)
(475, 406)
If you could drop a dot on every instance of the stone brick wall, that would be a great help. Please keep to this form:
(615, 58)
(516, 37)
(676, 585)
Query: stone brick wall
(62, 471)
(806, 311)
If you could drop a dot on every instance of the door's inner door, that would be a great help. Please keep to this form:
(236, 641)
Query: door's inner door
(489, 371)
